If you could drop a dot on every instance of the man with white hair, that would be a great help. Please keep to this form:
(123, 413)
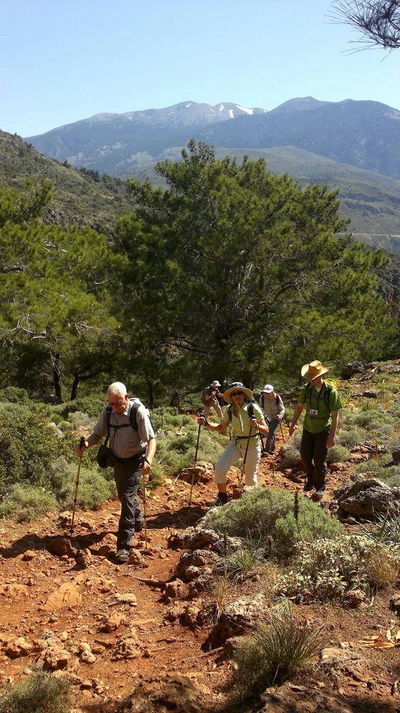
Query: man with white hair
(132, 442)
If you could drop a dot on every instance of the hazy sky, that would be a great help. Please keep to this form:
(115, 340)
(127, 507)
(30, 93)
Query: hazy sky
(66, 60)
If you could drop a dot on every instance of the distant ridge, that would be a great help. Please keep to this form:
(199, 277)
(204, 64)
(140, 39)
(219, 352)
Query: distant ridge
(365, 134)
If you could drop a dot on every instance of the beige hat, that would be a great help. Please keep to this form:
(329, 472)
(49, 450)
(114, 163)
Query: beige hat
(237, 386)
(313, 369)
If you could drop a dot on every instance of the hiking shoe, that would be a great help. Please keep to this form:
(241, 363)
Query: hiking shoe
(318, 495)
(308, 486)
(121, 556)
(220, 501)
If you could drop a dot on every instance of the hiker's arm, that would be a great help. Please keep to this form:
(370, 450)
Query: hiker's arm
(151, 451)
(295, 418)
(259, 424)
(334, 427)
(218, 427)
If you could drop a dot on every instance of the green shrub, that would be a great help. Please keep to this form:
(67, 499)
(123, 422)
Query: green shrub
(40, 693)
(14, 395)
(91, 406)
(327, 569)
(273, 653)
(268, 517)
(94, 487)
(26, 502)
(28, 444)
(337, 454)
(177, 437)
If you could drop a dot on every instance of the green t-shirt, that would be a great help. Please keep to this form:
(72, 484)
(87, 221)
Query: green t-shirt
(319, 406)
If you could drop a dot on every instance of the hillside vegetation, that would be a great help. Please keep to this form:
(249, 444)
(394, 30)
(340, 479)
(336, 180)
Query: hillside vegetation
(83, 198)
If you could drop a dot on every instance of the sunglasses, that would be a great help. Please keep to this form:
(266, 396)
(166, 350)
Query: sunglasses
(237, 393)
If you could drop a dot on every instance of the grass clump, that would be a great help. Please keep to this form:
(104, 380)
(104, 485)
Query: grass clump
(272, 519)
(327, 569)
(273, 653)
(40, 693)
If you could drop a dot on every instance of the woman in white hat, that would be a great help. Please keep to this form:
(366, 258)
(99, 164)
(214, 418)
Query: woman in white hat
(322, 404)
(247, 422)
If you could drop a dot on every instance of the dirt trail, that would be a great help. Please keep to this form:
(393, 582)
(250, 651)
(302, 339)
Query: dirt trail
(111, 626)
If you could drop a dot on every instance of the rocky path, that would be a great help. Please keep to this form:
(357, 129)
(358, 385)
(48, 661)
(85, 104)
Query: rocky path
(112, 628)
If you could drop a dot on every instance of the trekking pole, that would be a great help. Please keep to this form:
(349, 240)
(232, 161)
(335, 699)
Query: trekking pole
(245, 457)
(195, 461)
(81, 446)
(145, 512)
(283, 435)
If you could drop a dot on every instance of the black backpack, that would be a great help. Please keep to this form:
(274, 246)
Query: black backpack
(132, 418)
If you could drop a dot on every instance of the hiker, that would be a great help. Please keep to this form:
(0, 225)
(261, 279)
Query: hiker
(133, 446)
(274, 411)
(247, 423)
(322, 404)
(209, 399)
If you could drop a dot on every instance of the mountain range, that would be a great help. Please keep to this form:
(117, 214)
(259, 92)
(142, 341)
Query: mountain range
(364, 134)
(350, 145)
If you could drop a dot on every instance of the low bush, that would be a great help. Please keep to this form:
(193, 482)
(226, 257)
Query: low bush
(273, 653)
(270, 517)
(40, 693)
(14, 395)
(327, 569)
(25, 502)
(28, 444)
(94, 487)
(337, 454)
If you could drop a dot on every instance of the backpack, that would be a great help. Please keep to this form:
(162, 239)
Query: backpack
(132, 418)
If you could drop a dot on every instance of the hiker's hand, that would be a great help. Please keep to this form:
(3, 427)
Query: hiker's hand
(82, 445)
(292, 429)
(331, 441)
(253, 422)
(201, 420)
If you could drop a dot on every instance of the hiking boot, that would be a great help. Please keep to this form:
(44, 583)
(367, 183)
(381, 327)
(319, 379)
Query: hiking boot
(308, 486)
(121, 556)
(222, 499)
(318, 495)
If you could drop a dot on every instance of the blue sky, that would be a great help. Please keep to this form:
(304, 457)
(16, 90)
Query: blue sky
(66, 60)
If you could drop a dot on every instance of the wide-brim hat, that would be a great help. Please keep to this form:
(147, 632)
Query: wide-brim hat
(237, 386)
(313, 369)
(215, 383)
(268, 389)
